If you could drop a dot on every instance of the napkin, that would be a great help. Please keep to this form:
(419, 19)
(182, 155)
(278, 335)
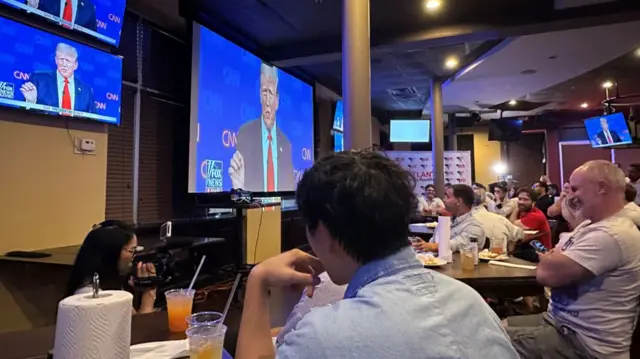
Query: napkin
(172, 349)
(505, 264)
(530, 232)
(443, 237)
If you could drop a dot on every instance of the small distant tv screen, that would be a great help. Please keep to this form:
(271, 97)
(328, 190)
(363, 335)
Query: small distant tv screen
(505, 130)
(338, 118)
(410, 131)
(101, 19)
(609, 130)
(338, 142)
(45, 73)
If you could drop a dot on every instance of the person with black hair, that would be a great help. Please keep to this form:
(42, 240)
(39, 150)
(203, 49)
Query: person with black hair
(108, 250)
(631, 210)
(545, 200)
(633, 177)
(553, 191)
(458, 201)
(357, 207)
(528, 217)
(504, 205)
(430, 204)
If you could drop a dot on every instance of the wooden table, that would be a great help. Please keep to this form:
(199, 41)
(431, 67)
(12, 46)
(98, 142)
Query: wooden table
(494, 280)
(35, 344)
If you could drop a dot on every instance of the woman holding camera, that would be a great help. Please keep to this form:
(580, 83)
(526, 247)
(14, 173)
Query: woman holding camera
(108, 250)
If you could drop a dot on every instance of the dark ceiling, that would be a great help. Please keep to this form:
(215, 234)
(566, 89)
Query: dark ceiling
(408, 44)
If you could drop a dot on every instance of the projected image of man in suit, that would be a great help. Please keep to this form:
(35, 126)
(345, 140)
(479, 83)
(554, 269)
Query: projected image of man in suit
(262, 161)
(79, 12)
(607, 136)
(60, 88)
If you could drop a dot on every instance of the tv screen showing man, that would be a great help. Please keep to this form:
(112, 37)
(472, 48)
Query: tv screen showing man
(262, 161)
(608, 130)
(78, 12)
(607, 136)
(60, 88)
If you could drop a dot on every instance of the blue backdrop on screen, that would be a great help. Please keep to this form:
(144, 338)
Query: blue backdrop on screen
(229, 97)
(101, 19)
(618, 133)
(28, 56)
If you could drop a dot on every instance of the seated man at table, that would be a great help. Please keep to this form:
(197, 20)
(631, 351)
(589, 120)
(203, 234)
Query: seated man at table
(496, 227)
(503, 205)
(530, 218)
(594, 276)
(357, 206)
(631, 209)
(464, 226)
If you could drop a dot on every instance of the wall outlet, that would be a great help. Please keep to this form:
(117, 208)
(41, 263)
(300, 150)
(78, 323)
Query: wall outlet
(85, 146)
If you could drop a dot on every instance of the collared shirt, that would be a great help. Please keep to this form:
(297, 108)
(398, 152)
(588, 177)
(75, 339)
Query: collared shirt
(601, 310)
(74, 9)
(425, 204)
(632, 211)
(396, 308)
(506, 207)
(72, 89)
(497, 227)
(274, 152)
(462, 229)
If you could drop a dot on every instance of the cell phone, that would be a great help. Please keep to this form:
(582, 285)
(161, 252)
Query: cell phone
(165, 230)
(538, 246)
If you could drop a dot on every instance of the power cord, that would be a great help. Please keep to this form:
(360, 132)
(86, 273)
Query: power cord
(255, 247)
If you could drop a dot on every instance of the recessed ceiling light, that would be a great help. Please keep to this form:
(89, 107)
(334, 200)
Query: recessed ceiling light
(637, 52)
(584, 105)
(433, 4)
(513, 102)
(451, 63)
(607, 84)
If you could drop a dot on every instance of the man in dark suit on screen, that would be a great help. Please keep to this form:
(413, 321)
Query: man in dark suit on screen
(262, 162)
(60, 88)
(79, 12)
(607, 137)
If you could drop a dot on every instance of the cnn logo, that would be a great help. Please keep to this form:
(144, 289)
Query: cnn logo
(112, 96)
(21, 75)
(229, 139)
(306, 154)
(101, 105)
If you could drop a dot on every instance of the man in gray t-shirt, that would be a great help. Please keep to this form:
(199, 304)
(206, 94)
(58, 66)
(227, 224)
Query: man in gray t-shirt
(594, 276)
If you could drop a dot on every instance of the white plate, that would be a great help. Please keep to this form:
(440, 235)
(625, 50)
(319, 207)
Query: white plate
(423, 258)
(432, 225)
(501, 257)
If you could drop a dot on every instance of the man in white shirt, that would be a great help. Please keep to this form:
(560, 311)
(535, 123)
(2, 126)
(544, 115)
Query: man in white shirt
(79, 12)
(430, 204)
(633, 174)
(594, 277)
(496, 227)
(631, 210)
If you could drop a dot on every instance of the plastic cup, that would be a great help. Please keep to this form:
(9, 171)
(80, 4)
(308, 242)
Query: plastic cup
(204, 318)
(206, 341)
(497, 246)
(179, 305)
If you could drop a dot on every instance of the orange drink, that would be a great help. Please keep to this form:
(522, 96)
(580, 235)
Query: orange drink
(206, 341)
(497, 246)
(179, 305)
(466, 259)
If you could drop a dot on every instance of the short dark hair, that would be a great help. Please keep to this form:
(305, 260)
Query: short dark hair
(430, 186)
(479, 185)
(465, 193)
(635, 166)
(630, 193)
(501, 187)
(543, 184)
(447, 185)
(364, 199)
(530, 192)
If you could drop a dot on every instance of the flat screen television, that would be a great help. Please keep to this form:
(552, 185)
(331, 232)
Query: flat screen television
(506, 130)
(410, 131)
(338, 117)
(45, 73)
(251, 123)
(338, 142)
(609, 130)
(101, 19)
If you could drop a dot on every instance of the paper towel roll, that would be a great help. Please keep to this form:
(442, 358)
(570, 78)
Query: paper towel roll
(443, 236)
(94, 328)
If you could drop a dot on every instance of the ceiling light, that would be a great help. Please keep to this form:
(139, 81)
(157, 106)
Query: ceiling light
(638, 52)
(513, 102)
(499, 168)
(584, 105)
(433, 4)
(607, 84)
(451, 63)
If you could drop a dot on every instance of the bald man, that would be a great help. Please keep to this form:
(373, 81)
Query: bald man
(594, 276)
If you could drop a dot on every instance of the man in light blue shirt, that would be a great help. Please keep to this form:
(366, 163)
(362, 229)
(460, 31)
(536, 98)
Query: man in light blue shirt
(357, 206)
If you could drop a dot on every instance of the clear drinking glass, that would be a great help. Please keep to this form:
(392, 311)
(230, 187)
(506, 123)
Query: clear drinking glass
(179, 306)
(204, 318)
(466, 259)
(497, 245)
(206, 341)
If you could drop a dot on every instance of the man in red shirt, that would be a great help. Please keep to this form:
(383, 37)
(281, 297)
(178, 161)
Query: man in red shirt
(528, 217)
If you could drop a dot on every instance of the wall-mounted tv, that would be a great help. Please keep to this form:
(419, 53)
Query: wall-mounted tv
(338, 141)
(507, 130)
(410, 131)
(251, 123)
(338, 117)
(101, 19)
(608, 130)
(48, 74)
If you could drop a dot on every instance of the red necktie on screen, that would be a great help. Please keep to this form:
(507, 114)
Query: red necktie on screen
(608, 136)
(66, 96)
(271, 181)
(67, 14)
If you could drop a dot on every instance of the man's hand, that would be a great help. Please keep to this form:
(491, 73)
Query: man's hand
(30, 92)
(33, 3)
(294, 268)
(236, 171)
(423, 246)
